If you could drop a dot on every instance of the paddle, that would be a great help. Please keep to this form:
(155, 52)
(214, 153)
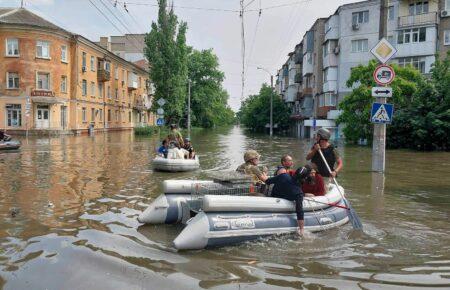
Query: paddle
(353, 217)
(321, 202)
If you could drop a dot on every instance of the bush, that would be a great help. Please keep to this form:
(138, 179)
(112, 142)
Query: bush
(146, 131)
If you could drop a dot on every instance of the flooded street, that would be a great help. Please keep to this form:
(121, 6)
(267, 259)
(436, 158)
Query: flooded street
(76, 199)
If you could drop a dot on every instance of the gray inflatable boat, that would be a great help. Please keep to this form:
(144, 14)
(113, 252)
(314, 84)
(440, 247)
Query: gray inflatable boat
(220, 220)
(10, 145)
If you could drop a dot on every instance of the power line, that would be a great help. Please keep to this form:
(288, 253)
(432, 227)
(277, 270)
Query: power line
(180, 7)
(242, 48)
(254, 36)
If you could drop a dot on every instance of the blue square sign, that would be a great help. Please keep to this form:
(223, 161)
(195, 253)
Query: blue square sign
(160, 122)
(381, 113)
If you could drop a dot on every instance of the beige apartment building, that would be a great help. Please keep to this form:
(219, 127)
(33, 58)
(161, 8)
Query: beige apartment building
(55, 81)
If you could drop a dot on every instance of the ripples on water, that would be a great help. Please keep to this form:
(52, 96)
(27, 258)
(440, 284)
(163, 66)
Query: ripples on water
(77, 199)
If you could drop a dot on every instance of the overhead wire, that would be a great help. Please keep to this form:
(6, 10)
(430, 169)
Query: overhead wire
(242, 48)
(254, 35)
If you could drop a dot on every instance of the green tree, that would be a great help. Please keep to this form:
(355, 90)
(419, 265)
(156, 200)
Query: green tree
(357, 105)
(208, 98)
(167, 52)
(255, 110)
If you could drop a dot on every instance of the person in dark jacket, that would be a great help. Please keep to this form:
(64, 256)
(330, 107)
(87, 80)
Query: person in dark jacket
(4, 136)
(289, 187)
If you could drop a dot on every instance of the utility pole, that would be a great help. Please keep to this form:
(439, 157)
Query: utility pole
(379, 130)
(189, 109)
(271, 100)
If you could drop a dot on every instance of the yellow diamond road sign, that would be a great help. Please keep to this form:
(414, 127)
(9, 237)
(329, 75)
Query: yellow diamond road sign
(383, 50)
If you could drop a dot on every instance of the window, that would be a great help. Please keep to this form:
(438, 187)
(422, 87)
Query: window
(109, 115)
(14, 115)
(390, 13)
(83, 60)
(416, 62)
(123, 94)
(327, 100)
(360, 45)
(129, 117)
(92, 115)
(116, 73)
(116, 113)
(92, 89)
(412, 35)
(309, 58)
(43, 49)
(107, 66)
(84, 87)
(100, 115)
(63, 84)
(100, 90)
(391, 40)
(83, 114)
(116, 95)
(64, 53)
(43, 81)
(447, 4)
(13, 80)
(360, 17)
(92, 63)
(12, 47)
(417, 8)
(108, 92)
(123, 75)
(325, 75)
(447, 37)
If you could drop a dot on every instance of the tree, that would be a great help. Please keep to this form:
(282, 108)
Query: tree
(255, 110)
(208, 98)
(167, 52)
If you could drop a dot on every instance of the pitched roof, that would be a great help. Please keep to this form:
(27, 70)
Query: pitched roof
(22, 16)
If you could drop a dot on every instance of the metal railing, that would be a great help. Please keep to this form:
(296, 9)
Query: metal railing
(418, 19)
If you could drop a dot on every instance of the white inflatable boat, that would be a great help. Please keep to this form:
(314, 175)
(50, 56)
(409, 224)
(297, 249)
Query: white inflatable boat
(221, 220)
(175, 165)
(10, 145)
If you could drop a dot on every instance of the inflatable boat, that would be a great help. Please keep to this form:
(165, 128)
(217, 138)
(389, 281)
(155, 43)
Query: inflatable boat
(219, 220)
(175, 165)
(10, 145)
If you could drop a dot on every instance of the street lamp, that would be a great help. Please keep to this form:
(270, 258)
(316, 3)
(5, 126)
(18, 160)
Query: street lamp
(271, 99)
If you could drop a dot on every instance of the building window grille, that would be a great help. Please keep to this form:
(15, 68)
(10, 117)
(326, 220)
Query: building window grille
(12, 47)
(14, 115)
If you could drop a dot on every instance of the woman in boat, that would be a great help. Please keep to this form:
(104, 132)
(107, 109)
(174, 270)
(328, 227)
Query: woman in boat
(313, 184)
(288, 187)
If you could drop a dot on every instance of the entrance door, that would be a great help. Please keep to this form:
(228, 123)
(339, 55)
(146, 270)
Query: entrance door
(42, 117)
(64, 117)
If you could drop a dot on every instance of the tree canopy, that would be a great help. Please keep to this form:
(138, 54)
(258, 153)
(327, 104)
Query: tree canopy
(421, 107)
(255, 110)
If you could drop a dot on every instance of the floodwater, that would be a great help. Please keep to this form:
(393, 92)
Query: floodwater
(76, 199)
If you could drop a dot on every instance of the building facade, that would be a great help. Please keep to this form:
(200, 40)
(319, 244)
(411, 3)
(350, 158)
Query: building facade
(444, 28)
(54, 81)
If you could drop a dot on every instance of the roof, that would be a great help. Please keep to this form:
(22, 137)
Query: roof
(143, 63)
(21, 16)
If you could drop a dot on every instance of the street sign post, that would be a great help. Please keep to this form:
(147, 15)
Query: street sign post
(381, 113)
(383, 75)
(161, 102)
(160, 111)
(383, 50)
(382, 92)
(160, 122)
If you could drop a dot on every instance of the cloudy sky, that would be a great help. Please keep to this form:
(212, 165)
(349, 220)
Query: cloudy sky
(215, 24)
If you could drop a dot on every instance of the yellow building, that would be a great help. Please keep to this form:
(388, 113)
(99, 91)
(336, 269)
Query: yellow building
(52, 80)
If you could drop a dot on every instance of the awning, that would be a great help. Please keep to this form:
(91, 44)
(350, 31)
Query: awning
(47, 100)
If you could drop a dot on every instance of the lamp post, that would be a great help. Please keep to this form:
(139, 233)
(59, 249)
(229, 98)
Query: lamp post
(271, 100)
(189, 109)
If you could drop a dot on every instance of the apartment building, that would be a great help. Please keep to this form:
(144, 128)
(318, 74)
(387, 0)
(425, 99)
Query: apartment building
(444, 28)
(52, 80)
(129, 46)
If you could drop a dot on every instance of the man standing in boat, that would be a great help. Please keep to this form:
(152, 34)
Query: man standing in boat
(250, 167)
(330, 153)
(175, 136)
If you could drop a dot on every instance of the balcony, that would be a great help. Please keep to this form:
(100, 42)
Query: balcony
(103, 75)
(298, 58)
(417, 20)
(298, 78)
(132, 81)
(291, 95)
(307, 91)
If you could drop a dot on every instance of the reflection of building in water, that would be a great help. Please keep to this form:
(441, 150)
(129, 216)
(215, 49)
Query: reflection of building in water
(54, 80)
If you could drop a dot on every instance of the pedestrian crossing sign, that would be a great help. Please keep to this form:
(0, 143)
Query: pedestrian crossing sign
(381, 113)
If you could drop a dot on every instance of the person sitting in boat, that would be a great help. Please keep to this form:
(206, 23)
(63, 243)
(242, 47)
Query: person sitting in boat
(288, 187)
(164, 149)
(251, 168)
(189, 148)
(4, 136)
(329, 152)
(175, 136)
(287, 164)
(313, 184)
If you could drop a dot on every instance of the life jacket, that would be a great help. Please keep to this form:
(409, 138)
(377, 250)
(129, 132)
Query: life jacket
(328, 153)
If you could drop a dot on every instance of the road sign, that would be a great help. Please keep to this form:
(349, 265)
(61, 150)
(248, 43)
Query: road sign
(383, 92)
(383, 50)
(381, 113)
(383, 75)
(160, 122)
(160, 111)
(161, 102)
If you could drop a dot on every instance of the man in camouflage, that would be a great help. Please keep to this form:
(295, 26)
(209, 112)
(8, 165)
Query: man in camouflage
(251, 168)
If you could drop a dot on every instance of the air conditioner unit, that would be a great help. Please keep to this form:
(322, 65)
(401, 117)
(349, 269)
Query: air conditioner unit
(355, 26)
(337, 49)
(445, 13)
(83, 69)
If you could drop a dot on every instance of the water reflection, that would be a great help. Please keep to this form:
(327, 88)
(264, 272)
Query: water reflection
(78, 199)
